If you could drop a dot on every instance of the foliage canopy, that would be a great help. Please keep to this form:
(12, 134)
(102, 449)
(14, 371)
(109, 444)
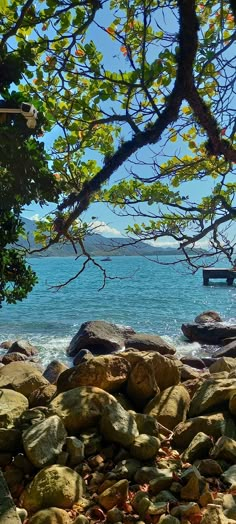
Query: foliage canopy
(159, 75)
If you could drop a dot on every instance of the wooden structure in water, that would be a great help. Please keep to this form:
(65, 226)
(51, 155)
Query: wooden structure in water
(216, 272)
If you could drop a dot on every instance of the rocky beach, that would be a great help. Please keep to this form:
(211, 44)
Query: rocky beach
(130, 433)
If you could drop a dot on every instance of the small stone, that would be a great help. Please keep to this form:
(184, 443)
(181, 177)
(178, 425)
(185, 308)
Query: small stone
(145, 447)
(165, 496)
(81, 519)
(22, 513)
(186, 510)
(114, 515)
(146, 473)
(50, 516)
(198, 448)
(225, 448)
(118, 425)
(209, 468)
(206, 498)
(230, 475)
(126, 469)
(214, 515)
(168, 519)
(75, 448)
(116, 494)
(164, 481)
(192, 489)
(157, 508)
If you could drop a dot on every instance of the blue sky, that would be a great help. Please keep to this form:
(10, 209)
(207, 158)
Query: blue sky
(110, 224)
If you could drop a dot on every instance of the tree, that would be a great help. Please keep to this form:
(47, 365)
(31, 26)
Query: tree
(24, 177)
(168, 80)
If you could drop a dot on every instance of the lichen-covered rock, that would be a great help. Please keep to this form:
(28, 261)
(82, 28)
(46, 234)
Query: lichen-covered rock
(75, 448)
(142, 384)
(12, 405)
(44, 441)
(145, 447)
(106, 372)
(42, 396)
(53, 371)
(170, 407)
(198, 448)
(126, 469)
(118, 425)
(115, 495)
(23, 377)
(213, 425)
(50, 516)
(166, 370)
(223, 364)
(208, 316)
(147, 424)
(54, 486)
(81, 408)
(224, 448)
(212, 393)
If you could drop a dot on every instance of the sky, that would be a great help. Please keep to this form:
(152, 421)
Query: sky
(106, 221)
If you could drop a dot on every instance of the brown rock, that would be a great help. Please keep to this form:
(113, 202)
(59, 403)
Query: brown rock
(24, 347)
(53, 371)
(81, 408)
(208, 316)
(214, 425)
(227, 351)
(142, 384)
(211, 394)
(224, 448)
(148, 342)
(193, 362)
(115, 495)
(50, 516)
(223, 364)
(23, 377)
(13, 357)
(99, 337)
(209, 468)
(170, 407)
(106, 372)
(42, 396)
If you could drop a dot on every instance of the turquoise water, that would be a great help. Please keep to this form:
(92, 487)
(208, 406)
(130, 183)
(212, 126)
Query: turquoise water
(149, 297)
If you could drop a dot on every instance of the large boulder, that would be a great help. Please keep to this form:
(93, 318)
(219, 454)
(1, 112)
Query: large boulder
(165, 370)
(24, 347)
(212, 394)
(44, 441)
(142, 386)
(214, 425)
(148, 342)
(98, 336)
(170, 407)
(54, 486)
(211, 333)
(229, 350)
(23, 377)
(42, 396)
(81, 408)
(105, 372)
(223, 364)
(118, 425)
(12, 405)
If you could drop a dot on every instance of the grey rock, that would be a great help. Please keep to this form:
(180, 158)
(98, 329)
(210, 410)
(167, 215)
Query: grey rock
(211, 333)
(148, 342)
(44, 441)
(118, 425)
(99, 337)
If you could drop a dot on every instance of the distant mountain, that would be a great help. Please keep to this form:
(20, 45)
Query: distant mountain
(96, 245)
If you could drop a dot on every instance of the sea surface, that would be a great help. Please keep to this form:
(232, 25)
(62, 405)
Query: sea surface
(151, 298)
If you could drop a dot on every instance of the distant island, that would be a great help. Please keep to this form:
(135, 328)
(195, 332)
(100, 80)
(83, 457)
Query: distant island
(96, 245)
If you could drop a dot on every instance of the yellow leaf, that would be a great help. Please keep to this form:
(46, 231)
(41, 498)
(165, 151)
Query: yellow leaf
(173, 137)
(186, 110)
(3, 6)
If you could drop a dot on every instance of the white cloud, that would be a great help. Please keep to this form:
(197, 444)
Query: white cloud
(172, 243)
(34, 217)
(105, 229)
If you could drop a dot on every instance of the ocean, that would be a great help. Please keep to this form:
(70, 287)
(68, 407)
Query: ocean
(149, 297)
